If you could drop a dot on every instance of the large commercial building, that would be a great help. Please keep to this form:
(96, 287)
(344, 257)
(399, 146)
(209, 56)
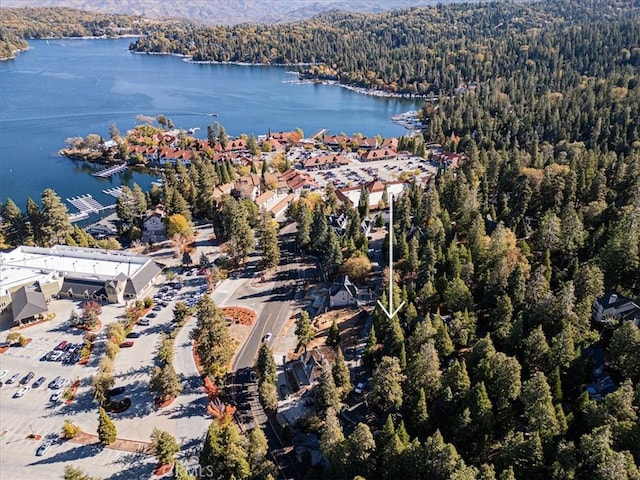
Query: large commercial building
(31, 276)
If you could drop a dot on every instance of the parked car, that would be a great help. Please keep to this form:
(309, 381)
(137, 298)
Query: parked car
(38, 382)
(3, 373)
(57, 383)
(55, 397)
(126, 344)
(42, 449)
(152, 315)
(21, 392)
(61, 345)
(55, 355)
(133, 335)
(27, 378)
(13, 378)
(156, 308)
(144, 321)
(115, 391)
(359, 388)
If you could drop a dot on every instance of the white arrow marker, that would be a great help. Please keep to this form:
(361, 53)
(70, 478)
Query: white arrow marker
(390, 313)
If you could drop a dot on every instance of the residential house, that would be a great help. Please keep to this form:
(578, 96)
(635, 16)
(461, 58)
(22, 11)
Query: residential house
(309, 367)
(247, 187)
(266, 199)
(336, 142)
(613, 308)
(154, 228)
(390, 143)
(344, 293)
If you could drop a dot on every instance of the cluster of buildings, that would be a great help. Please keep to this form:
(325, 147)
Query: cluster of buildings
(31, 276)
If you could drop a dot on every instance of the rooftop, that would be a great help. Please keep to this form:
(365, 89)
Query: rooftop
(30, 264)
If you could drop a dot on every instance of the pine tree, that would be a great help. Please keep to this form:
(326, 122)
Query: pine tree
(269, 240)
(14, 228)
(361, 447)
(341, 375)
(304, 218)
(107, 432)
(332, 442)
(326, 393)
(538, 405)
(386, 393)
(333, 337)
(75, 473)
(223, 453)
(165, 446)
(55, 225)
(304, 331)
(214, 346)
(265, 365)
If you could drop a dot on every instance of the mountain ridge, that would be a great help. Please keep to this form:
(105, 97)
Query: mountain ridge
(223, 12)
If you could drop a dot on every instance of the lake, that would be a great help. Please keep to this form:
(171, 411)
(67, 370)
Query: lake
(67, 88)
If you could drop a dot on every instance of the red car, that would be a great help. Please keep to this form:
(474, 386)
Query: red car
(126, 344)
(61, 345)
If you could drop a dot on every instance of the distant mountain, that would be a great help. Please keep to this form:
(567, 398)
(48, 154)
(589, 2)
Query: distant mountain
(226, 12)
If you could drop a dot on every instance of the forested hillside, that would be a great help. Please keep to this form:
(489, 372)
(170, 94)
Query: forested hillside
(17, 25)
(431, 50)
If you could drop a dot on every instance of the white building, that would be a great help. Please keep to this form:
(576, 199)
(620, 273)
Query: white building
(32, 275)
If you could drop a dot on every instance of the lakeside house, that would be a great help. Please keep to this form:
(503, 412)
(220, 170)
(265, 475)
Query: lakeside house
(154, 228)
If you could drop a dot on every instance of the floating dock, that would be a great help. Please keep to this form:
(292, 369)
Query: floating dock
(86, 204)
(107, 172)
(114, 192)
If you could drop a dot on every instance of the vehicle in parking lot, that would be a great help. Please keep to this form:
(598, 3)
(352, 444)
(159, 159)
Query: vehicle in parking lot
(152, 315)
(115, 391)
(38, 382)
(13, 378)
(156, 308)
(267, 337)
(55, 355)
(27, 378)
(133, 335)
(21, 392)
(126, 344)
(55, 397)
(42, 449)
(61, 345)
(57, 383)
(3, 373)
(359, 388)
(144, 321)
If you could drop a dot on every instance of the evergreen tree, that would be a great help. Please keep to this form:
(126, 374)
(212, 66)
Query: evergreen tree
(304, 331)
(361, 447)
(326, 393)
(538, 405)
(14, 228)
(386, 393)
(223, 453)
(304, 217)
(331, 257)
(341, 375)
(106, 428)
(165, 446)
(333, 336)
(332, 443)
(214, 346)
(55, 225)
(269, 240)
(363, 202)
(75, 473)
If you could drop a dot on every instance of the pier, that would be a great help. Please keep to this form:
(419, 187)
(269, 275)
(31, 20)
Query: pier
(107, 172)
(86, 205)
(114, 192)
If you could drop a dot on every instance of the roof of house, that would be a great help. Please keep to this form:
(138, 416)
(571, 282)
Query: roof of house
(26, 303)
(613, 300)
(343, 284)
(141, 278)
(264, 198)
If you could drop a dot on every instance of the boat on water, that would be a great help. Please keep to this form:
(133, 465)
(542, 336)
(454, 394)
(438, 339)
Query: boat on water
(193, 130)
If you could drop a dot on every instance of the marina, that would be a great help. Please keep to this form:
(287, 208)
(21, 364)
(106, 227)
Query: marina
(87, 204)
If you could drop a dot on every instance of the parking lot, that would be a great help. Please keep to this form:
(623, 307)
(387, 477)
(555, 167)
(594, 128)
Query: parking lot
(35, 413)
(359, 172)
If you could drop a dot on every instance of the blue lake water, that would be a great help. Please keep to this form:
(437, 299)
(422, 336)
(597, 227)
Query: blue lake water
(67, 88)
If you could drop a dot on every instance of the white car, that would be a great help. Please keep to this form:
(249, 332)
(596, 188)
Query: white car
(55, 397)
(42, 449)
(22, 391)
(3, 373)
(359, 388)
(267, 337)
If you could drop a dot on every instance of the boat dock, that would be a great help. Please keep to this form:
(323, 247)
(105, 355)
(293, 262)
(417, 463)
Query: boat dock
(107, 172)
(114, 192)
(86, 204)
(319, 133)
